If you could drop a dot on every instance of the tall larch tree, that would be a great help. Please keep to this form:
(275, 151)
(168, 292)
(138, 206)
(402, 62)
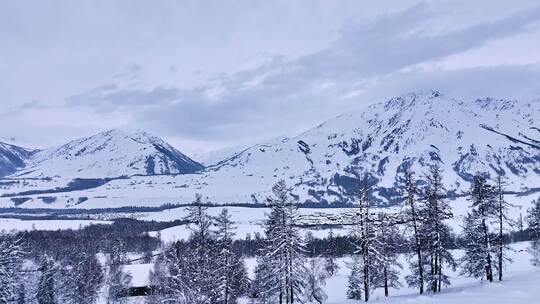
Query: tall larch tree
(484, 208)
(364, 238)
(46, 289)
(231, 270)
(330, 262)
(414, 221)
(202, 243)
(503, 221)
(385, 260)
(473, 262)
(282, 270)
(437, 233)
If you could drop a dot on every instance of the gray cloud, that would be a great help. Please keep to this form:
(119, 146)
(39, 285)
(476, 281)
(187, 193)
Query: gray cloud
(505, 81)
(225, 73)
(288, 96)
(111, 97)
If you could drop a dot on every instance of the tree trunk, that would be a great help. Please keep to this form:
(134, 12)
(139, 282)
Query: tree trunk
(365, 248)
(489, 270)
(290, 278)
(227, 293)
(440, 274)
(500, 236)
(433, 266)
(418, 250)
(366, 273)
(385, 282)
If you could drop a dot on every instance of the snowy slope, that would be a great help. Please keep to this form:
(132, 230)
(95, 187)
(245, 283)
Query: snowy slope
(110, 154)
(13, 158)
(409, 131)
(413, 130)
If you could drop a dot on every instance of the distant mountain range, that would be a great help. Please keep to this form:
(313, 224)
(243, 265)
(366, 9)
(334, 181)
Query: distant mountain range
(322, 164)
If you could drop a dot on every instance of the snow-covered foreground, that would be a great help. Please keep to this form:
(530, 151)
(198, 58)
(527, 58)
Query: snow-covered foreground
(520, 285)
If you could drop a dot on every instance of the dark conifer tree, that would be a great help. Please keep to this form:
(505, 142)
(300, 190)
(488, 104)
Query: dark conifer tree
(386, 264)
(11, 256)
(46, 289)
(437, 234)
(473, 262)
(484, 208)
(281, 264)
(414, 221)
(203, 245)
(533, 222)
(231, 270)
(363, 235)
(117, 279)
(83, 278)
(330, 263)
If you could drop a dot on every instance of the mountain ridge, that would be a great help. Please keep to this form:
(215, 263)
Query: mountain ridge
(323, 164)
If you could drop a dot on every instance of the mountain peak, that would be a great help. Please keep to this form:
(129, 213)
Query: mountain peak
(417, 99)
(110, 153)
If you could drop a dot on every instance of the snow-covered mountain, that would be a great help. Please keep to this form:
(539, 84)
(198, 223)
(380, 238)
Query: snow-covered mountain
(13, 158)
(414, 130)
(322, 164)
(109, 154)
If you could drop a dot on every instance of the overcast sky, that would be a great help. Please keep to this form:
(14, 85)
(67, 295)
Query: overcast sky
(210, 74)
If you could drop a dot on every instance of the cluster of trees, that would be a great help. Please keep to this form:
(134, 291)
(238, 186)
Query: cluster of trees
(205, 269)
(426, 210)
(98, 238)
(75, 278)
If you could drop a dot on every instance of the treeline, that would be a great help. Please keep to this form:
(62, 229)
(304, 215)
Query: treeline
(134, 234)
(74, 213)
